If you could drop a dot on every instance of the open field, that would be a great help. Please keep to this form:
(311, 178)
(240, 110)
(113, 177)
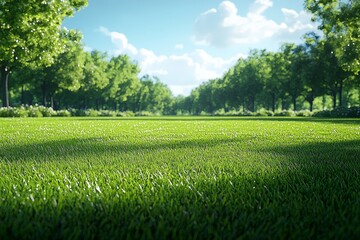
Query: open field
(279, 178)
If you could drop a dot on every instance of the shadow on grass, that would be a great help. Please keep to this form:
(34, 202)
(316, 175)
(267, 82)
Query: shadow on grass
(319, 152)
(314, 194)
(77, 148)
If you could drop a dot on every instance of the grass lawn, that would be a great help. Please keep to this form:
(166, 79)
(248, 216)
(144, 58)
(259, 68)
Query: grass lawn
(180, 178)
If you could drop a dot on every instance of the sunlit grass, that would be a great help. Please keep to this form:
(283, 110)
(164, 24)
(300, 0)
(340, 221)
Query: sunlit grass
(179, 178)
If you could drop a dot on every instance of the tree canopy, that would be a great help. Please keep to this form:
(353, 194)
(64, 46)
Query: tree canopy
(51, 67)
(30, 33)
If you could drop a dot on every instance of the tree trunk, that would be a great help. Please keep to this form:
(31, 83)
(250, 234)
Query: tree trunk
(5, 86)
(341, 93)
(22, 94)
(283, 104)
(52, 101)
(334, 99)
(252, 103)
(115, 106)
(310, 99)
(273, 102)
(294, 103)
(43, 88)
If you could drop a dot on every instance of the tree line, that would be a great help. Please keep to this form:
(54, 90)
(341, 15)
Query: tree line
(49, 66)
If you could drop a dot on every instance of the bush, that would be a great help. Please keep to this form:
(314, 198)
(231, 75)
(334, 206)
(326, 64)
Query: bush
(340, 112)
(129, 114)
(92, 113)
(46, 112)
(265, 113)
(34, 112)
(304, 113)
(107, 113)
(285, 113)
(220, 112)
(9, 112)
(353, 112)
(41, 111)
(77, 112)
(63, 113)
(144, 114)
(232, 113)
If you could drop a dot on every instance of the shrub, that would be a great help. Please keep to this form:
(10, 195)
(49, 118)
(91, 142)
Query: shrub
(34, 112)
(129, 114)
(353, 112)
(220, 112)
(63, 113)
(46, 112)
(8, 112)
(286, 113)
(265, 113)
(144, 114)
(107, 113)
(77, 112)
(339, 112)
(304, 113)
(92, 113)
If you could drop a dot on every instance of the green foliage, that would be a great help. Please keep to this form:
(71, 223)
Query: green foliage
(353, 112)
(285, 113)
(27, 111)
(92, 113)
(30, 34)
(304, 113)
(63, 113)
(144, 114)
(340, 23)
(179, 177)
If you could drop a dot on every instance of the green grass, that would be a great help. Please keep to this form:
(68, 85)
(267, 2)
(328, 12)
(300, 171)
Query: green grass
(163, 178)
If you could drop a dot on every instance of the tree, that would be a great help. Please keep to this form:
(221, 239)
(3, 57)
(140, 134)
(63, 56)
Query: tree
(235, 85)
(255, 73)
(123, 80)
(340, 23)
(153, 96)
(279, 73)
(66, 72)
(295, 84)
(95, 80)
(29, 33)
(314, 68)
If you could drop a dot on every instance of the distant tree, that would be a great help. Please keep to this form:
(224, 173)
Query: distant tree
(152, 95)
(314, 68)
(67, 71)
(255, 73)
(295, 84)
(29, 33)
(123, 80)
(95, 80)
(23, 85)
(279, 74)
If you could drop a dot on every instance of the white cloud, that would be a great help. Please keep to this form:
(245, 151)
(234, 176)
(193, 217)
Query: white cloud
(260, 6)
(179, 46)
(296, 23)
(224, 27)
(180, 72)
(120, 41)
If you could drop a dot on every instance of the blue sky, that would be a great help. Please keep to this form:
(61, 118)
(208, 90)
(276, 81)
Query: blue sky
(187, 42)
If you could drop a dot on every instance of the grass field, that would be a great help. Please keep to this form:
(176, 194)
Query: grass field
(180, 178)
